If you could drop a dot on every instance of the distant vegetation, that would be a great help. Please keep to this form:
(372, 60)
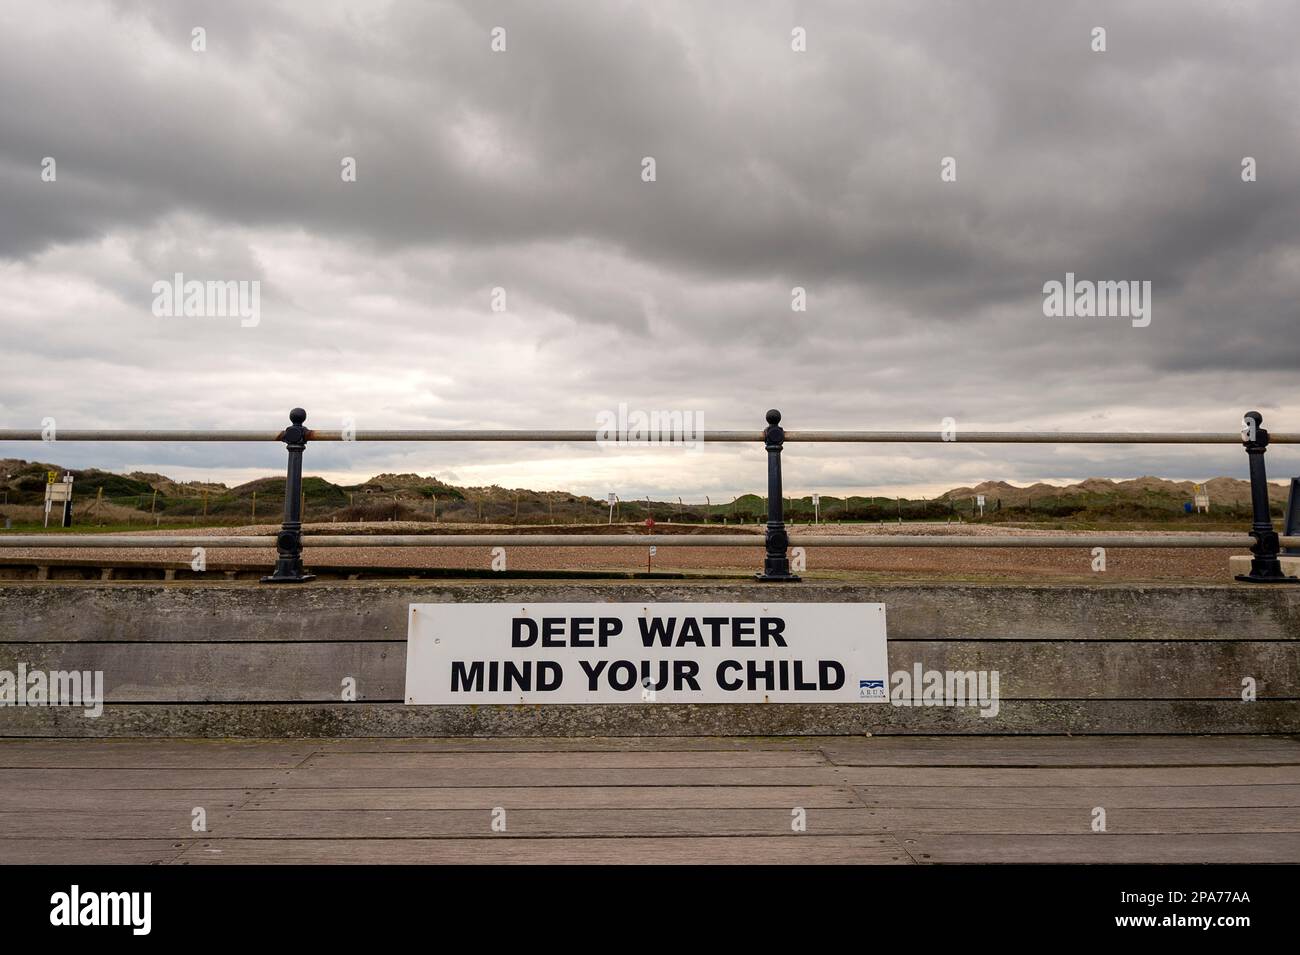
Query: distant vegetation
(103, 498)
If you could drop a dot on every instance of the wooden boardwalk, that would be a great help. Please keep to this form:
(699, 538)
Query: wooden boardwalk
(891, 800)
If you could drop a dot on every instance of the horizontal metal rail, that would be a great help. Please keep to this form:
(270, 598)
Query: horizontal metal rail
(815, 437)
(1029, 437)
(127, 542)
(1232, 541)
(1263, 542)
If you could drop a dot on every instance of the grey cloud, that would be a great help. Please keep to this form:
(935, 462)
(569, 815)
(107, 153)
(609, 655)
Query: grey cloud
(775, 169)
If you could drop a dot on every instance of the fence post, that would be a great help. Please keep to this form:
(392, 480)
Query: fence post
(1291, 524)
(1265, 568)
(288, 543)
(776, 565)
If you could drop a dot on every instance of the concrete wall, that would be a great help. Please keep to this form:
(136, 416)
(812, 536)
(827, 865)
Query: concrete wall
(234, 659)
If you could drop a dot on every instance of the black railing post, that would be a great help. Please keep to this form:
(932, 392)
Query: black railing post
(288, 543)
(776, 565)
(1265, 568)
(1291, 523)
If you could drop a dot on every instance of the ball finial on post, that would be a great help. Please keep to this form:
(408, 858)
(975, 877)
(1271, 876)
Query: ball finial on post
(288, 543)
(776, 563)
(1265, 567)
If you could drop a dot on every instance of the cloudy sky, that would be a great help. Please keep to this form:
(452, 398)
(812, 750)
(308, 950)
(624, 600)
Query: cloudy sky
(522, 169)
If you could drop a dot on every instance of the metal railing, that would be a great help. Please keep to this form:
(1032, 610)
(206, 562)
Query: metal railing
(725, 437)
(1054, 541)
(1263, 541)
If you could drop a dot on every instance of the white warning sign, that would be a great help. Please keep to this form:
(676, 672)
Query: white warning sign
(634, 653)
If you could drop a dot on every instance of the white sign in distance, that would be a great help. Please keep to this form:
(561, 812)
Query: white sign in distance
(618, 653)
(58, 492)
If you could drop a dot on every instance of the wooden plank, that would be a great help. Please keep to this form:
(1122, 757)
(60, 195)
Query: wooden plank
(560, 797)
(435, 824)
(300, 671)
(843, 750)
(1092, 611)
(1054, 669)
(802, 849)
(1078, 819)
(90, 851)
(971, 799)
(309, 778)
(1060, 750)
(584, 744)
(13, 780)
(121, 800)
(650, 797)
(534, 823)
(216, 612)
(361, 720)
(1061, 776)
(123, 824)
(324, 778)
(1103, 847)
(205, 755)
(202, 754)
(639, 759)
(1019, 797)
(545, 744)
(224, 672)
(349, 611)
